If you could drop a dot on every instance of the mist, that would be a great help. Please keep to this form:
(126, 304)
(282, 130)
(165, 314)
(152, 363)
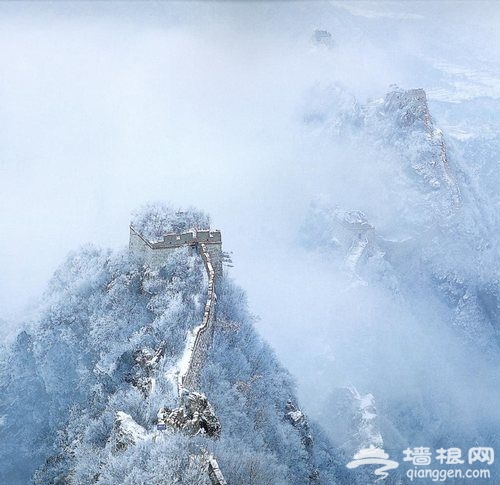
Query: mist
(106, 107)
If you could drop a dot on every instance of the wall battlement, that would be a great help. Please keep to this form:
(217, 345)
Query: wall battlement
(189, 238)
(155, 253)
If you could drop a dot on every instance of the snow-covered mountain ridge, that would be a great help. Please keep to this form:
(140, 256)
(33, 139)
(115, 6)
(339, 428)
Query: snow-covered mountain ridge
(88, 387)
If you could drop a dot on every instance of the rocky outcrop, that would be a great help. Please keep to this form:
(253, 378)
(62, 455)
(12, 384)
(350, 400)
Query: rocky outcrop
(194, 416)
(145, 363)
(409, 108)
(298, 420)
(411, 126)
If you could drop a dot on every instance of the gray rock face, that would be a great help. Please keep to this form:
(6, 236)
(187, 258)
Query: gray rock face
(409, 107)
(410, 113)
(403, 120)
(194, 416)
(146, 361)
(299, 421)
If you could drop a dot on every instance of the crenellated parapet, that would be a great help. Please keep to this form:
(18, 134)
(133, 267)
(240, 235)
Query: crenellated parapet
(154, 253)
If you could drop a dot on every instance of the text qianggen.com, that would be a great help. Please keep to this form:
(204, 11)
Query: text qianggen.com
(446, 474)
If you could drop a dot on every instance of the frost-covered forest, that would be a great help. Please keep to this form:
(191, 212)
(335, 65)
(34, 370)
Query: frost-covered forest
(68, 375)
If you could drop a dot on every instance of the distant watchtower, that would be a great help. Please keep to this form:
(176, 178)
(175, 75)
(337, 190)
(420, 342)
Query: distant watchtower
(155, 253)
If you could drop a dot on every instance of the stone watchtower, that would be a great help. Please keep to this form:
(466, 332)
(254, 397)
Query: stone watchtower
(155, 253)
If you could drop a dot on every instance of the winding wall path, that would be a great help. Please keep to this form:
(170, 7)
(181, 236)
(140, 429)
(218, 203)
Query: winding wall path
(203, 334)
(200, 339)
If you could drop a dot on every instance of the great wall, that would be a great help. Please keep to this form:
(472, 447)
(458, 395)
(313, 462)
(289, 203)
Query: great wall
(208, 244)
(194, 413)
(155, 253)
(188, 377)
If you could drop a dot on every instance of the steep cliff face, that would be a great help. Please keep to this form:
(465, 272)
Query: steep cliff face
(83, 385)
(407, 125)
